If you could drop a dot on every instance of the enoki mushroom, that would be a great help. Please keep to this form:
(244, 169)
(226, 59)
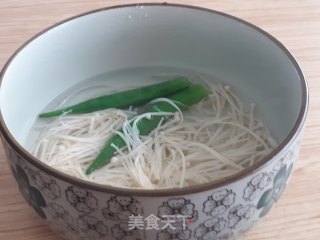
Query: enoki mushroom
(217, 138)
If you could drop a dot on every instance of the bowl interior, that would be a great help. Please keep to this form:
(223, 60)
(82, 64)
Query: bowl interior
(151, 37)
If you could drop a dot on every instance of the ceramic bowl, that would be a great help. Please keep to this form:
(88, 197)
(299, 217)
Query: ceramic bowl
(153, 36)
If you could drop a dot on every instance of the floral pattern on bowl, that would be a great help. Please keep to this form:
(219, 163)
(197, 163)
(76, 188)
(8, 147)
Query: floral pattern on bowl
(121, 208)
(31, 194)
(210, 228)
(219, 202)
(121, 231)
(81, 199)
(240, 215)
(218, 214)
(92, 227)
(47, 185)
(177, 232)
(257, 184)
(178, 207)
(273, 194)
(63, 221)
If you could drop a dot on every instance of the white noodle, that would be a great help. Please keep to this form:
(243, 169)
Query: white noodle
(212, 140)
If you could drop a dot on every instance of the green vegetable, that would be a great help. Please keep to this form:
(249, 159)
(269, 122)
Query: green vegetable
(184, 99)
(131, 97)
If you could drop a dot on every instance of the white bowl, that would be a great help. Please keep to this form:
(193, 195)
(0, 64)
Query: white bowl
(153, 36)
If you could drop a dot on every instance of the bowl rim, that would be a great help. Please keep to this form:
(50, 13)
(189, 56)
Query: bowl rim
(294, 133)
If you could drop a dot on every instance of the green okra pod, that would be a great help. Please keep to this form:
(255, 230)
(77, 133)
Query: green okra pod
(124, 99)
